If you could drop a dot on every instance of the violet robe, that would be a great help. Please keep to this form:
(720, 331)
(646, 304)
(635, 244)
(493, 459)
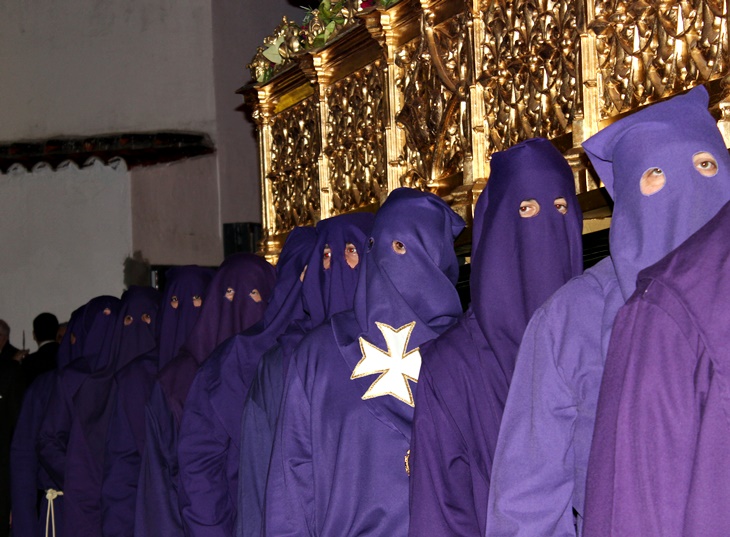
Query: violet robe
(539, 471)
(63, 448)
(28, 479)
(517, 263)
(324, 292)
(338, 459)
(208, 447)
(157, 511)
(181, 303)
(659, 464)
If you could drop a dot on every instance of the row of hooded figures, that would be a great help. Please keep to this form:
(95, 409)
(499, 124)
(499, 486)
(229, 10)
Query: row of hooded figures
(347, 394)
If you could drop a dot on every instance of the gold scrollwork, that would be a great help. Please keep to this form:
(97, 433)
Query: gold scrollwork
(529, 69)
(435, 76)
(356, 148)
(294, 172)
(650, 50)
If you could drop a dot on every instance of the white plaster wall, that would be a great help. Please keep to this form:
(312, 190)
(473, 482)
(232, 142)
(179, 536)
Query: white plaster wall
(87, 67)
(95, 66)
(175, 213)
(66, 235)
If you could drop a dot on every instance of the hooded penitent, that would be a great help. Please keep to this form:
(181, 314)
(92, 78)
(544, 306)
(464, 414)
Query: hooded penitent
(235, 300)
(340, 244)
(210, 426)
(182, 299)
(660, 198)
(526, 244)
(133, 334)
(657, 464)
(62, 442)
(660, 147)
(344, 429)
(181, 304)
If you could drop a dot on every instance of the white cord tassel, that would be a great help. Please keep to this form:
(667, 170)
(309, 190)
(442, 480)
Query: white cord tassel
(51, 494)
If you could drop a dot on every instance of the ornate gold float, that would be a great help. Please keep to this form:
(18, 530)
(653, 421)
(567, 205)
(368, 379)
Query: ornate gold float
(358, 100)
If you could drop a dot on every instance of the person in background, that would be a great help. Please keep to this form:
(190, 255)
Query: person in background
(45, 327)
(526, 244)
(661, 167)
(7, 350)
(12, 385)
(11, 393)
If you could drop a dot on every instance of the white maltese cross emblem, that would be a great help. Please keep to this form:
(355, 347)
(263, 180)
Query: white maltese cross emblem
(396, 366)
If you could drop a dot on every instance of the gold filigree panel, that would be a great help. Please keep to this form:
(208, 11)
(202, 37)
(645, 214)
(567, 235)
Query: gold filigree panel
(294, 173)
(529, 69)
(355, 138)
(435, 75)
(650, 50)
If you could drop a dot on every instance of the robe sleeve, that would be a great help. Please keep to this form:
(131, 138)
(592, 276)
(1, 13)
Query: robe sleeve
(649, 414)
(54, 433)
(157, 512)
(121, 473)
(289, 504)
(258, 426)
(533, 472)
(24, 461)
(441, 492)
(205, 503)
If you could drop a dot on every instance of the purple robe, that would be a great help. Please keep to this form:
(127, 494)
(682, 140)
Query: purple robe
(223, 314)
(539, 471)
(181, 303)
(659, 459)
(62, 446)
(517, 263)
(337, 464)
(29, 480)
(325, 292)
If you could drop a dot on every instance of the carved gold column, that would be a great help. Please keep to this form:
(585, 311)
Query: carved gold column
(393, 28)
(480, 141)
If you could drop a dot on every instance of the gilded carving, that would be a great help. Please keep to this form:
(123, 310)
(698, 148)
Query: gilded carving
(435, 76)
(355, 139)
(529, 69)
(293, 172)
(649, 50)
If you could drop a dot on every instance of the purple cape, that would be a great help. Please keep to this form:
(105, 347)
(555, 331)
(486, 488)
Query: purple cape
(338, 458)
(658, 463)
(539, 471)
(125, 440)
(517, 263)
(327, 291)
